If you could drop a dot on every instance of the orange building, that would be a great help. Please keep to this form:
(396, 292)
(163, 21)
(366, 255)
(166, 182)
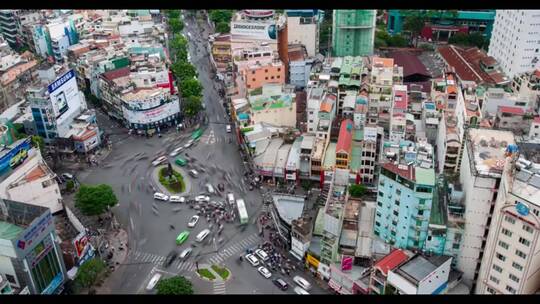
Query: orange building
(257, 75)
(344, 144)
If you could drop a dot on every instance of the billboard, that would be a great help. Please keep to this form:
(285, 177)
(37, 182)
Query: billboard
(14, 155)
(63, 90)
(152, 115)
(370, 134)
(80, 243)
(346, 263)
(253, 30)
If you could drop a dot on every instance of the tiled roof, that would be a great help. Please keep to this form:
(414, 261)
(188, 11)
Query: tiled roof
(326, 107)
(392, 260)
(111, 75)
(410, 63)
(511, 110)
(402, 102)
(34, 174)
(345, 136)
(466, 62)
(383, 62)
(408, 173)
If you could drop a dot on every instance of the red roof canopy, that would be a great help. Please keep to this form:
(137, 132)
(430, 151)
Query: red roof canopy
(392, 260)
(511, 110)
(345, 136)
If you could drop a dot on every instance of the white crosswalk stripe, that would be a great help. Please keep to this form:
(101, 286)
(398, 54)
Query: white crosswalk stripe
(220, 287)
(235, 248)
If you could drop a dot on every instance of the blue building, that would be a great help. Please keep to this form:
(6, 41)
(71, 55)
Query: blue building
(441, 27)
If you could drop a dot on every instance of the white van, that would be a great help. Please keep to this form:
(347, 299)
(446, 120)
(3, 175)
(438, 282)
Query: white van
(202, 235)
(228, 128)
(230, 199)
(210, 189)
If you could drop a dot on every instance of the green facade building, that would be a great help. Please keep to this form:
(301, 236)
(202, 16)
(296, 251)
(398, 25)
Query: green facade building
(353, 32)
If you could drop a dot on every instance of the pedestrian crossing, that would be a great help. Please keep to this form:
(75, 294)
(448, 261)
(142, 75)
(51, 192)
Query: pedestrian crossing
(235, 248)
(219, 287)
(209, 138)
(145, 257)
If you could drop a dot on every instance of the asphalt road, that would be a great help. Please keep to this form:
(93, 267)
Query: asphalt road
(129, 171)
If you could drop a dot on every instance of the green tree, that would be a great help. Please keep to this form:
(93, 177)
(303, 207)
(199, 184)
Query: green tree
(223, 27)
(192, 105)
(357, 190)
(38, 142)
(218, 16)
(397, 41)
(414, 24)
(191, 87)
(477, 39)
(94, 200)
(176, 25)
(183, 70)
(89, 273)
(173, 14)
(306, 184)
(174, 286)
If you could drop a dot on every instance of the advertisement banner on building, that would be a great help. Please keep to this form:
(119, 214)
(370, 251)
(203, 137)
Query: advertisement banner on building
(55, 283)
(10, 158)
(63, 91)
(80, 243)
(35, 231)
(152, 115)
(254, 30)
(346, 263)
(312, 261)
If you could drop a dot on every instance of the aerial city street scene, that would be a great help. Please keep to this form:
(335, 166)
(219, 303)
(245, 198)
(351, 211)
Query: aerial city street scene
(250, 151)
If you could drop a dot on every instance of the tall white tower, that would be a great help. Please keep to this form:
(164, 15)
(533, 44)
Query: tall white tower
(515, 40)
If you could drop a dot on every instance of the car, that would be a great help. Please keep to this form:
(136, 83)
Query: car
(202, 198)
(176, 151)
(170, 258)
(230, 199)
(177, 199)
(185, 253)
(153, 281)
(202, 235)
(67, 176)
(187, 145)
(210, 189)
(228, 128)
(261, 254)
(182, 237)
(302, 283)
(193, 221)
(161, 196)
(300, 291)
(265, 272)
(158, 161)
(281, 284)
(194, 173)
(252, 260)
(181, 162)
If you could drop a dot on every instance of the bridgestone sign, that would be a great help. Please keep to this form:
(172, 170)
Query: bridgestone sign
(260, 31)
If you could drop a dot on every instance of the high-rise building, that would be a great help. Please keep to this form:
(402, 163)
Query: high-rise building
(511, 264)
(353, 32)
(303, 28)
(405, 195)
(8, 26)
(514, 41)
(480, 174)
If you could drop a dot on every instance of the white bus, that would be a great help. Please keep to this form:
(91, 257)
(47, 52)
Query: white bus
(242, 212)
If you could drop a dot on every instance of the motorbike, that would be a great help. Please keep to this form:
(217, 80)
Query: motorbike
(171, 227)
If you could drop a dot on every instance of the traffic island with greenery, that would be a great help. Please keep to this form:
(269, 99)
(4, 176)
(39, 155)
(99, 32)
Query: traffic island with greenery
(89, 274)
(172, 180)
(221, 271)
(205, 273)
(95, 200)
(174, 286)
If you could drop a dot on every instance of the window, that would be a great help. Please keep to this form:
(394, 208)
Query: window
(506, 232)
(517, 266)
(381, 194)
(491, 290)
(524, 241)
(279, 69)
(266, 70)
(377, 224)
(503, 244)
(266, 78)
(396, 213)
(527, 228)
(513, 278)
(278, 76)
(500, 256)
(497, 268)
(253, 72)
(521, 254)
(510, 219)
(510, 289)
(494, 279)
(11, 279)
